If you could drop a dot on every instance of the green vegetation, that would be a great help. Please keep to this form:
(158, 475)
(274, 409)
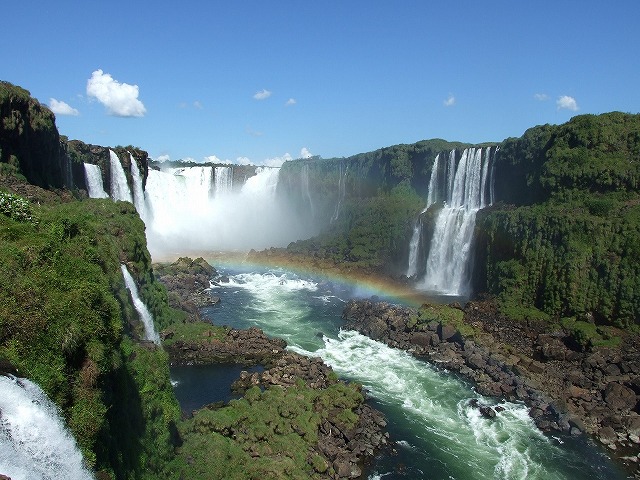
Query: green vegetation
(370, 231)
(442, 314)
(266, 434)
(573, 246)
(190, 331)
(63, 311)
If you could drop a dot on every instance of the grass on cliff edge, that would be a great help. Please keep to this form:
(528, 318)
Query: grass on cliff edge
(64, 310)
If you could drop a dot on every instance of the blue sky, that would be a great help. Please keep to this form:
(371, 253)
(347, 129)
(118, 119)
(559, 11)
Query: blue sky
(263, 81)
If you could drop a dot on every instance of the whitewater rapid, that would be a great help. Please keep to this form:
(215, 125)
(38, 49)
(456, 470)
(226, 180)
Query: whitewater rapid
(440, 433)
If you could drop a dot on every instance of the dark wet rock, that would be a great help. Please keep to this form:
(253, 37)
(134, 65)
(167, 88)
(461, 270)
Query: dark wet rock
(570, 391)
(187, 282)
(249, 346)
(619, 397)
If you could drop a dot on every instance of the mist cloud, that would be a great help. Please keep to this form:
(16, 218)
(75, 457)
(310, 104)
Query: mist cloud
(61, 108)
(120, 99)
(450, 101)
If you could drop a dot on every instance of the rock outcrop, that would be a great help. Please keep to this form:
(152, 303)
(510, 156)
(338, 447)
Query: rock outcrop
(567, 391)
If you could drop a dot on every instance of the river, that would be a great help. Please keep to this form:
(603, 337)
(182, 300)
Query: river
(437, 433)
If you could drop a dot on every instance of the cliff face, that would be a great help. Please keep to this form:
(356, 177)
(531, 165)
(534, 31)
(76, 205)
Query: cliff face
(568, 242)
(79, 153)
(29, 140)
(31, 146)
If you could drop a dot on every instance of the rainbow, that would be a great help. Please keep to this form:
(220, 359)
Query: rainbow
(369, 284)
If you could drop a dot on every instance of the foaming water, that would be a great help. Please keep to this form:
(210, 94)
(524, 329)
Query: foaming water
(441, 433)
(34, 442)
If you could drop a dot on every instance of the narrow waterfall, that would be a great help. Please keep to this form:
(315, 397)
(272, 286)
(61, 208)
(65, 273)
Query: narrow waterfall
(342, 191)
(34, 442)
(149, 328)
(138, 192)
(416, 236)
(223, 181)
(304, 184)
(466, 188)
(93, 179)
(119, 186)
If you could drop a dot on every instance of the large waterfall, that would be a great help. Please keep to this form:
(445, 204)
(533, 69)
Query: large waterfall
(223, 181)
(198, 209)
(150, 332)
(465, 186)
(93, 180)
(119, 186)
(34, 443)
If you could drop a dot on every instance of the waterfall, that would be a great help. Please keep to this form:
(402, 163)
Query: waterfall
(432, 197)
(304, 184)
(223, 181)
(149, 328)
(93, 179)
(119, 186)
(34, 442)
(138, 192)
(465, 192)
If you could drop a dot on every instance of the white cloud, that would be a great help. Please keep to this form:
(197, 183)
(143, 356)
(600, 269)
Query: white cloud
(262, 94)
(162, 158)
(291, 101)
(568, 103)
(121, 99)
(541, 97)
(450, 101)
(61, 108)
(243, 161)
(305, 153)
(198, 105)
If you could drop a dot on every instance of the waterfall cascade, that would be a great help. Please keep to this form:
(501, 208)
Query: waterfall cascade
(93, 179)
(465, 186)
(119, 187)
(34, 442)
(149, 328)
(223, 181)
(138, 192)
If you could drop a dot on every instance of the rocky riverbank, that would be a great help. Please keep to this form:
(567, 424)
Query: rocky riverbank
(567, 390)
(187, 283)
(341, 432)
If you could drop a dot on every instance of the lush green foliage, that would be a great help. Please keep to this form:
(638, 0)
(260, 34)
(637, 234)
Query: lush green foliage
(63, 311)
(577, 250)
(267, 434)
(16, 207)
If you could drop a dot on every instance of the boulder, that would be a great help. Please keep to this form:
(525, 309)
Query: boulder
(619, 397)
